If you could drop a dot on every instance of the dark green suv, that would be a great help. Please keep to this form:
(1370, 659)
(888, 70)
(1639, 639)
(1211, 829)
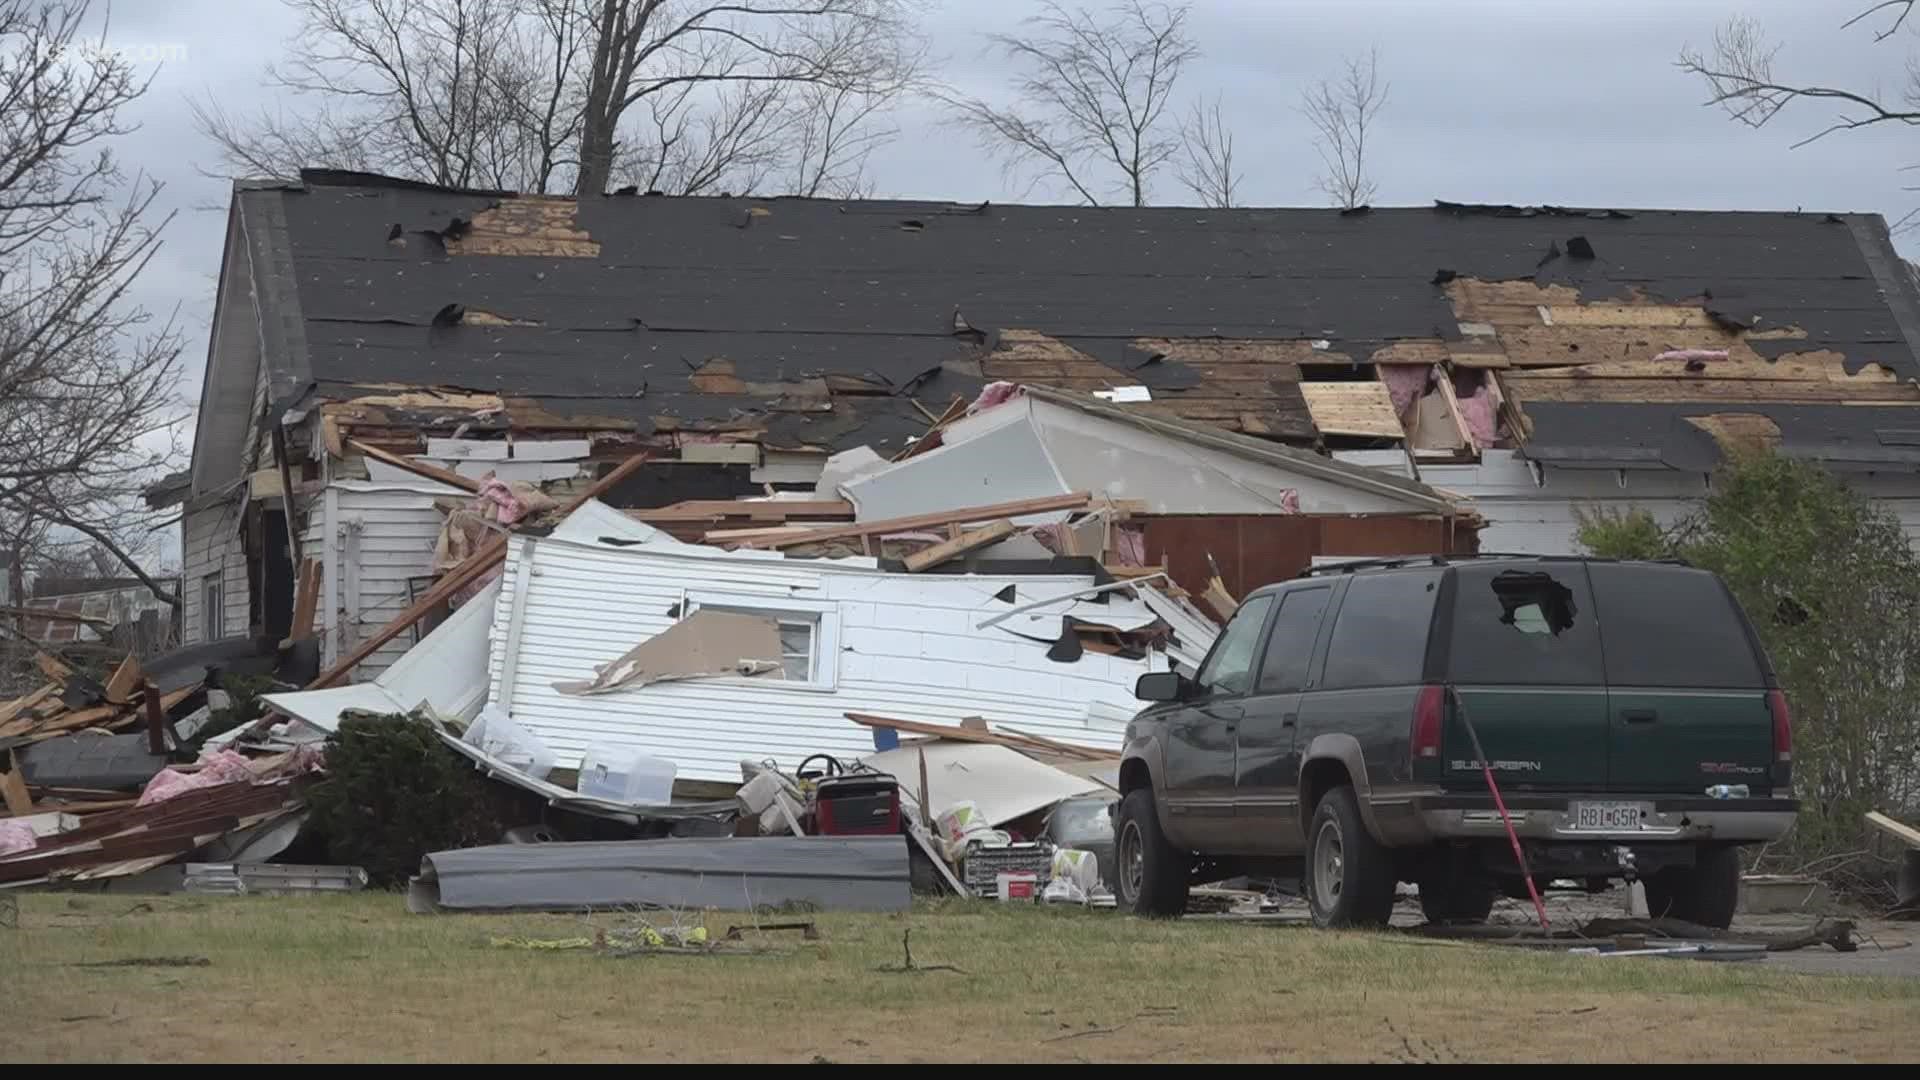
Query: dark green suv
(1628, 713)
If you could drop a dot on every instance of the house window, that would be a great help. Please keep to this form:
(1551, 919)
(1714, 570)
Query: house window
(808, 634)
(212, 626)
(796, 649)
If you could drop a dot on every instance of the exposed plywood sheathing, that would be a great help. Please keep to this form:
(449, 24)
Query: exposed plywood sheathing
(1352, 408)
(1248, 386)
(525, 225)
(1736, 432)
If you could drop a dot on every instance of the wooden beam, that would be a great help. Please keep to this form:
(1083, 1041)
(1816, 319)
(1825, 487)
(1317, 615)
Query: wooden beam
(1906, 834)
(418, 468)
(469, 570)
(788, 537)
(306, 601)
(156, 719)
(752, 510)
(978, 735)
(958, 546)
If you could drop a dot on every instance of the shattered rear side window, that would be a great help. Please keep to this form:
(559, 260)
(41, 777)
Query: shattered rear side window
(1531, 627)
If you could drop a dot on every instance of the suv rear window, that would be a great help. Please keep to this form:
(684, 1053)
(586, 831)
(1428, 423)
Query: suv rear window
(1672, 626)
(1380, 635)
(1528, 624)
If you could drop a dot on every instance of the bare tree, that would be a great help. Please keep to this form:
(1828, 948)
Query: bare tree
(1208, 170)
(1342, 110)
(1739, 73)
(87, 406)
(682, 96)
(1092, 97)
(645, 48)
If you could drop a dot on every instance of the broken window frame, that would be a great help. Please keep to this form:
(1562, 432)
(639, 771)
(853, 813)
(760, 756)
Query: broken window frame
(821, 617)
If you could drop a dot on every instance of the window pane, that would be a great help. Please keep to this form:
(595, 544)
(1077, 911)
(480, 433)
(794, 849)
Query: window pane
(1229, 669)
(1671, 626)
(1380, 635)
(796, 639)
(1531, 627)
(1290, 646)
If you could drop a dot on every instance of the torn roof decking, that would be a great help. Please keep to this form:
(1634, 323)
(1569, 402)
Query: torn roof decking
(802, 323)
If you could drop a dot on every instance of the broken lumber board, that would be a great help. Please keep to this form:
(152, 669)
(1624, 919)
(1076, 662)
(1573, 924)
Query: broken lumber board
(976, 735)
(52, 666)
(959, 545)
(126, 678)
(20, 705)
(13, 789)
(1906, 834)
(468, 571)
(1067, 749)
(418, 468)
(785, 537)
(751, 510)
(306, 601)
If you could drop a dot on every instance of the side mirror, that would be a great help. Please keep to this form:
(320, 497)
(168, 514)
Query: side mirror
(1161, 686)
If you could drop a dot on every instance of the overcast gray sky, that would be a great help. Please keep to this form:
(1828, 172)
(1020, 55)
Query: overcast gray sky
(1571, 102)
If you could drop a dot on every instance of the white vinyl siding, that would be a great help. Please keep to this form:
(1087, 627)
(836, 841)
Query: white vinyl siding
(383, 539)
(211, 545)
(907, 647)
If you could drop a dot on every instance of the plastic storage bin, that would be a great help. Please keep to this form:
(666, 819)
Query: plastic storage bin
(626, 776)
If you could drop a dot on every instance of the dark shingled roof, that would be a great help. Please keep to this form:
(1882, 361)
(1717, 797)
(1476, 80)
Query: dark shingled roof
(815, 319)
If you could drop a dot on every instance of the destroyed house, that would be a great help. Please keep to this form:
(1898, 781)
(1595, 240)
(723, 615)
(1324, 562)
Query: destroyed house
(1452, 364)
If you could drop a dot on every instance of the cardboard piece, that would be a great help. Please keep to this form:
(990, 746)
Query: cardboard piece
(706, 644)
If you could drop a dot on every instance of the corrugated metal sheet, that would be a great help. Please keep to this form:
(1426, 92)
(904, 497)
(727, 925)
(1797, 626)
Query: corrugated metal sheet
(907, 646)
(830, 873)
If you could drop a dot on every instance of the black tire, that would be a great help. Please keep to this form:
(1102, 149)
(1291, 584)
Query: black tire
(1350, 883)
(1705, 893)
(1465, 898)
(1152, 872)
(922, 877)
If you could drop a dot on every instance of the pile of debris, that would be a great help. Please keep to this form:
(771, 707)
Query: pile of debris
(109, 779)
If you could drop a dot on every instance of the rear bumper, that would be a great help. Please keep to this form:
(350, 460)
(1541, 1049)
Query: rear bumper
(1469, 817)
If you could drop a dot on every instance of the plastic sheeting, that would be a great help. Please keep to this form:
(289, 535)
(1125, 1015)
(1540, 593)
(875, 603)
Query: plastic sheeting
(827, 873)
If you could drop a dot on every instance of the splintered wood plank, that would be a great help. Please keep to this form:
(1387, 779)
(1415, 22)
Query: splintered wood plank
(1739, 431)
(972, 540)
(1352, 408)
(13, 789)
(1904, 833)
(126, 678)
(19, 706)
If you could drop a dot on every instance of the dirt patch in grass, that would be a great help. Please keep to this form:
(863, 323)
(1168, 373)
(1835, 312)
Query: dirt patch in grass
(355, 977)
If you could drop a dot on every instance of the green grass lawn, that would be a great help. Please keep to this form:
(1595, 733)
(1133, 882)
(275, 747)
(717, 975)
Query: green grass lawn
(353, 978)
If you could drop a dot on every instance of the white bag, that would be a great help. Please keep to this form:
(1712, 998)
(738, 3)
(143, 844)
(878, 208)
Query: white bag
(497, 735)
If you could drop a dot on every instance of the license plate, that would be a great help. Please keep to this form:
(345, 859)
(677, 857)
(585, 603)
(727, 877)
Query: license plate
(1607, 816)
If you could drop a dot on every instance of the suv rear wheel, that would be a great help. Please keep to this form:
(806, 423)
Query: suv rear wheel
(1153, 873)
(1705, 893)
(1349, 879)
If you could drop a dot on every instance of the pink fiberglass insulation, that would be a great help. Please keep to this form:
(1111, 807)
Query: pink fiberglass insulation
(1476, 406)
(1406, 384)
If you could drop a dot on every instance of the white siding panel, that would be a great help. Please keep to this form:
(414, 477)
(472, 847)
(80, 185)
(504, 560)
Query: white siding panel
(211, 544)
(586, 604)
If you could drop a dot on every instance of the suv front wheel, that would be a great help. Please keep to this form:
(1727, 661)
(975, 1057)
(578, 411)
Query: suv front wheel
(1349, 879)
(1153, 873)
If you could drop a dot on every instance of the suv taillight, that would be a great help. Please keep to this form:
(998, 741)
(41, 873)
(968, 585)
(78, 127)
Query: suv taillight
(1428, 712)
(1782, 726)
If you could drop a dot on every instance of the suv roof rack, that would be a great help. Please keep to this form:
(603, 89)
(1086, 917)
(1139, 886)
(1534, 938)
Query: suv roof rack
(1397, 562)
